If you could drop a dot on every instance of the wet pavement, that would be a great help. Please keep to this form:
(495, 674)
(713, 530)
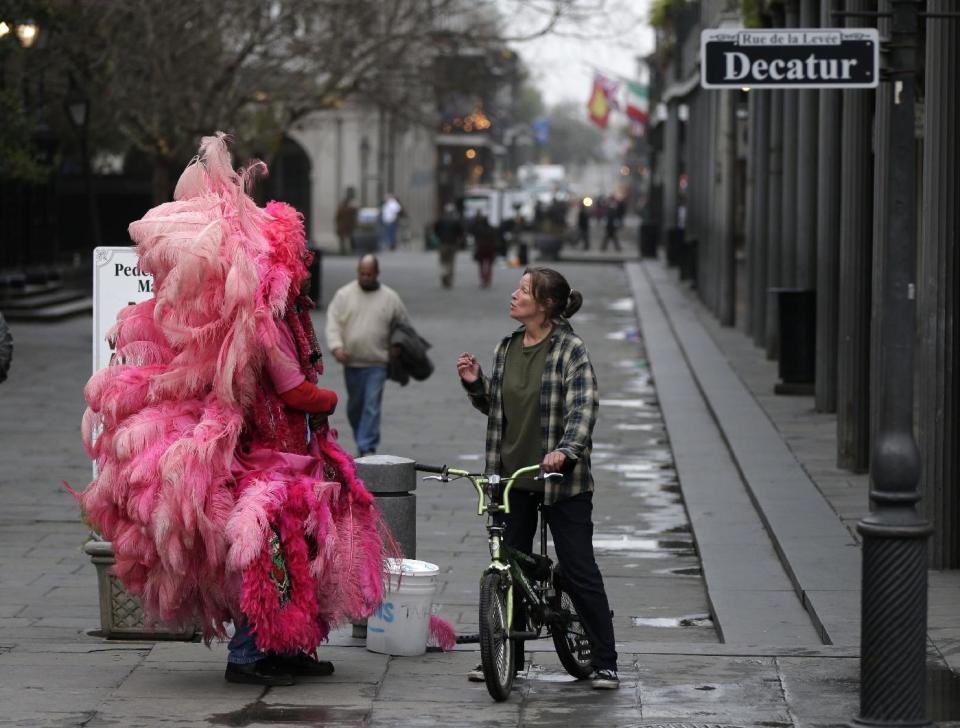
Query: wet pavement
(642, 534)
(674, 669)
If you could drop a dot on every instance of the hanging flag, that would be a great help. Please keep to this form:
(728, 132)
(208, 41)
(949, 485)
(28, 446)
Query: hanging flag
(638, 101)
(602, 100)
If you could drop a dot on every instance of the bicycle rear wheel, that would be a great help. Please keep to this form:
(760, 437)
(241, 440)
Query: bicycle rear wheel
(570, 638)
(496, 649)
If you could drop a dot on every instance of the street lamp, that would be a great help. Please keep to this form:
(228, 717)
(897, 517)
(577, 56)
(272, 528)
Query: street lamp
(27, 33)
(77, 106)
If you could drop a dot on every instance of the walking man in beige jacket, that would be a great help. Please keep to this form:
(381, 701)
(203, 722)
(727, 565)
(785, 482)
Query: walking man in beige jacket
(358, 335)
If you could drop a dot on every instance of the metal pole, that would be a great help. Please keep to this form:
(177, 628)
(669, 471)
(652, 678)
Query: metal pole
(338, 170)
(894, 596)
(92, 213)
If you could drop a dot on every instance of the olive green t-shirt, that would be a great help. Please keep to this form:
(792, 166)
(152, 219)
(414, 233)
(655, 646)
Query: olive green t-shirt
(522, 440)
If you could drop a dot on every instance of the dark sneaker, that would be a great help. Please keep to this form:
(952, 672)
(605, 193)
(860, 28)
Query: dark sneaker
(261, 672)
(303, 664)
(605, 680)
(476, 674)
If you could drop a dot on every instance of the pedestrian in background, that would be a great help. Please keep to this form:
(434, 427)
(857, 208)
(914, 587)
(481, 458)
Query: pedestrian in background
(346, 220)
(611, 227)
(484, 247)
(583, 225)
(390, 212)
(449, 232)
(358, 334)
(541, 403)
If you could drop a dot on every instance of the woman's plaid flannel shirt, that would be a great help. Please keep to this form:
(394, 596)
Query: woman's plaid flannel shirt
(568, 408)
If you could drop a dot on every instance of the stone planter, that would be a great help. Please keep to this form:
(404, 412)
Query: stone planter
(121, 614)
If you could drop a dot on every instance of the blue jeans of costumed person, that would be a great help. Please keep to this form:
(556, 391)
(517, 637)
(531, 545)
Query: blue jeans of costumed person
(364, 396)
(243, 647)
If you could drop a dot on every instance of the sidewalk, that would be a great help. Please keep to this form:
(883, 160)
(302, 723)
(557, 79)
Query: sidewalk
(709, 623)
(786, 455)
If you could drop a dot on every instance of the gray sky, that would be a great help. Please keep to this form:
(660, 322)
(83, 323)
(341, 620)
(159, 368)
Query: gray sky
(562, 67)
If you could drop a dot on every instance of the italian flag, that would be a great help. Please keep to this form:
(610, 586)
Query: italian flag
(638, 101)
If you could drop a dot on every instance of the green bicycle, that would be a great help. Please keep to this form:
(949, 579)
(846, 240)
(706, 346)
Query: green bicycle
(522, 596)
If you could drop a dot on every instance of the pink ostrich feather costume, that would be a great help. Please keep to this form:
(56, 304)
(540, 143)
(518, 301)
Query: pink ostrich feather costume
(208, 510)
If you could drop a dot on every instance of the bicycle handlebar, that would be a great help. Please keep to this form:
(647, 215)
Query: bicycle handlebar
(431, 468)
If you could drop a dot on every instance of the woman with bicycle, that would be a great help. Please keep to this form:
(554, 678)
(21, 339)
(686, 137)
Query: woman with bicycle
(541, 402)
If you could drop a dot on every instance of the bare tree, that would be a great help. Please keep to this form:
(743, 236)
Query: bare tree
(161, 74)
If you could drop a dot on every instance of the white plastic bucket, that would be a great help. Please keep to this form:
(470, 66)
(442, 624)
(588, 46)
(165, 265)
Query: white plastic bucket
(402, 621)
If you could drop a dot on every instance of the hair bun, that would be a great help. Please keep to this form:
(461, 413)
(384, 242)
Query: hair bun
(574, 302)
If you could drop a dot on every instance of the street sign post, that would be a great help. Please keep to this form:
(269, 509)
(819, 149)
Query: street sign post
(117, 282)
(790, 58)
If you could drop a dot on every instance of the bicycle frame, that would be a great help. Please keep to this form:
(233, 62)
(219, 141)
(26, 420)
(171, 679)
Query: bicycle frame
(504, 559)
(538, 585)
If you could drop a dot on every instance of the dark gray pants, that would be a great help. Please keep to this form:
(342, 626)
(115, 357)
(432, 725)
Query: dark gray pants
(571, 525)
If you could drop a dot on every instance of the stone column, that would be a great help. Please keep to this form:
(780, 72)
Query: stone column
(938, 302)
(828, 237)
(761, 176)
(807, 142)
(881, 195)
(706, 255)
(705, 167)
(726, 238)
(856, 232)
(788, 216)
(774, 207)
(671, 168)
(750, 218)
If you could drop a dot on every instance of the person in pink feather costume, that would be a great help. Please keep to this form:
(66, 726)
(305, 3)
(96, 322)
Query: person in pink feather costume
(219, 481)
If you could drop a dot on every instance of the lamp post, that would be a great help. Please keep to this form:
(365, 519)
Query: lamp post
(77, 106)
(19, 238)
(894, 594)
(364, 160)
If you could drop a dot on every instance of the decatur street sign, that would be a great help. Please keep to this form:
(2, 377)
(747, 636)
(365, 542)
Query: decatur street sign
(790, 58)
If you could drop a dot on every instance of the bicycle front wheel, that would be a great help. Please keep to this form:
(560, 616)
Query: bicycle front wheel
(496, 649)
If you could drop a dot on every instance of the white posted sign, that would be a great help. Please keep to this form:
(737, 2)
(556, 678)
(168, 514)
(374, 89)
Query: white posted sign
(790, 58)
(117, 282)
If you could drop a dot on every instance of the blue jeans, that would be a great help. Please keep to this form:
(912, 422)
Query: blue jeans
(364, 396)
(243, 647)
(390, 235)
